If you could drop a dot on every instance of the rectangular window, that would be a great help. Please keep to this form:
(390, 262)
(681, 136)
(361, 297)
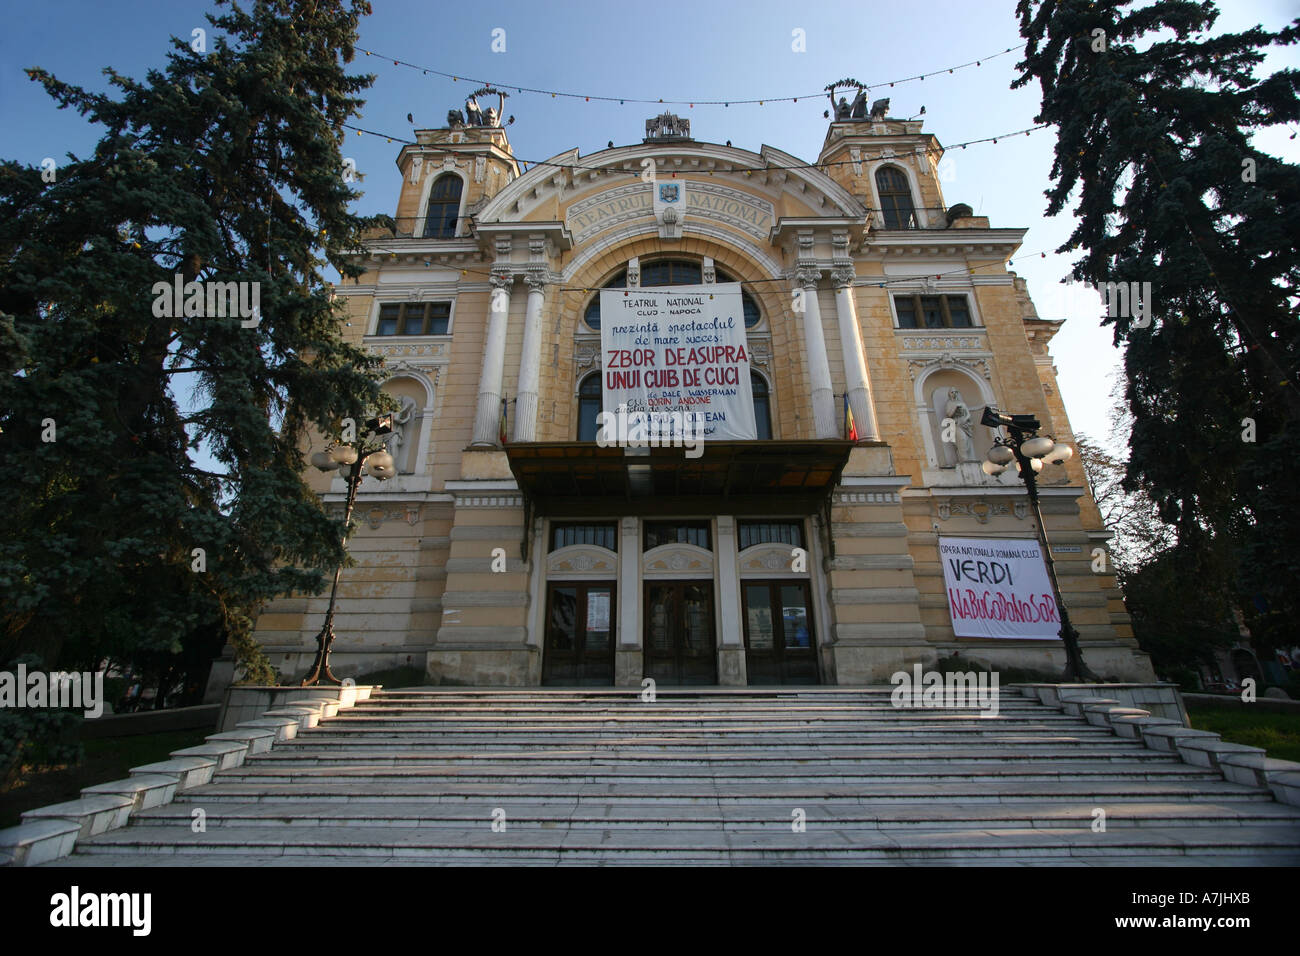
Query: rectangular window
(958, 312)
(677, 532)
(906, 308)
(766, 532)
(414, 318)
(565, 533)
(933, 312)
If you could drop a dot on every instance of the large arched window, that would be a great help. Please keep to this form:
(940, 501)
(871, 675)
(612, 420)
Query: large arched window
(444, 208)
(762, 406)
(588, 407)
(669, 272)
(895, 198)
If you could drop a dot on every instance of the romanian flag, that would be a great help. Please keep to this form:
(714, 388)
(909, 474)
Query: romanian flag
(501, 433)
(850, 426)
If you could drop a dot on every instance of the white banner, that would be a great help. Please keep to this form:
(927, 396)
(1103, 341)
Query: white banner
(998, 587)
(671, 353)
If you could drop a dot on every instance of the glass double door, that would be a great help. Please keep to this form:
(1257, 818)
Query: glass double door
(779, 647)
(680, 645)
(579, 645)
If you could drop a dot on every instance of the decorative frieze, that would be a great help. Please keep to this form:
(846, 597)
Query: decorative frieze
(932, 342)
(489, 501)
(977, 364)
(981, 510)
(866, 498)
(420, 350)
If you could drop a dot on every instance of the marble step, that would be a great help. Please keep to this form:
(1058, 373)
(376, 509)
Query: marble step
(342, 860)
(779, 760)
(437, 743)
(598, 844)
(509, 774)
(587, 812)
(697, 791)
(1016, 705)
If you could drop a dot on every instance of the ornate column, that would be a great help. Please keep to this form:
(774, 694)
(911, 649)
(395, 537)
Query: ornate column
(488, 417)
(819, 368)
(530, 359)
(628, 661)
(731, 643)
(857, 382)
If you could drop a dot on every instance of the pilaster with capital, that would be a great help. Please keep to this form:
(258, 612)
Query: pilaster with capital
(819, 368)
(857, 380)
(488, 414)
(530, 358)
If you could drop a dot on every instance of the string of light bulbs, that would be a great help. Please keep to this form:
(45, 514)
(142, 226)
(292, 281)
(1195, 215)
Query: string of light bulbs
(747, 170)
(691, 103)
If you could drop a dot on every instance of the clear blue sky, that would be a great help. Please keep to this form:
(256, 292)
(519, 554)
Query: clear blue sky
(673, 50)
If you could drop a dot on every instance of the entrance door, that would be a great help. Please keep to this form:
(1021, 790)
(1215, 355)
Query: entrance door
(679, 640)
(579, 646)
(778, 632)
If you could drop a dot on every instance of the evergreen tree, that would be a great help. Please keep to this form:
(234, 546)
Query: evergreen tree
(225, 166)
(1155, 119)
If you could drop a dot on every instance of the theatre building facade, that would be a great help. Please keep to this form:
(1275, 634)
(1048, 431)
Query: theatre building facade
(513, 548)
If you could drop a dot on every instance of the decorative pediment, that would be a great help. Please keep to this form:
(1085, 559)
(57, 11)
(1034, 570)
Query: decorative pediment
(582, 560)
(607, 188)
(678, 559)
(771, 560)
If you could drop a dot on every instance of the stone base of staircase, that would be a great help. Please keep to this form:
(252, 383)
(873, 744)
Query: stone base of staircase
(715, 776)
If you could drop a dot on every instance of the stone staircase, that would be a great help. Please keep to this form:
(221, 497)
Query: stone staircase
(710, 776)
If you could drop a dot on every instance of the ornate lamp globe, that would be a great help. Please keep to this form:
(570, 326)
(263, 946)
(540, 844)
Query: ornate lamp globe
(323, 461)
(991, 469)
(343, 454)
(381, 466)
(1001, 455)
(1059, 454)
(1036, 448)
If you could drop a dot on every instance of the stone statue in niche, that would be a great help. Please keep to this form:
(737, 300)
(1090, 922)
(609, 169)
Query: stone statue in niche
(397, 441)
(957, 410)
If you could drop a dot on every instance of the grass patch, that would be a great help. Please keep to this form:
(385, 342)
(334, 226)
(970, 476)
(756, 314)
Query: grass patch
(107, 758)
(1279, 734)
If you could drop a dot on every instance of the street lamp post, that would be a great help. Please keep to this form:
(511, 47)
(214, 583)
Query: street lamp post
(1028, 450)
(353, 460)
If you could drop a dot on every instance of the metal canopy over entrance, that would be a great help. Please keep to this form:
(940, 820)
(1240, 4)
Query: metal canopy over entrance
(753, 477)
